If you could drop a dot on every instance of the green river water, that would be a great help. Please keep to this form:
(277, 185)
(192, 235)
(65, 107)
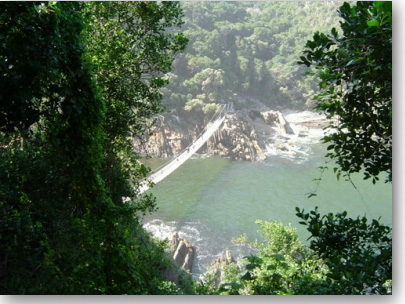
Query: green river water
(210, 200)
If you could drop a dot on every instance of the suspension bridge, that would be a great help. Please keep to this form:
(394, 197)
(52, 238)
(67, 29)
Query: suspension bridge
(162, 172)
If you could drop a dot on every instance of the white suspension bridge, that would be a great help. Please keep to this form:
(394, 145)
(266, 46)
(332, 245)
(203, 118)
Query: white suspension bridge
(165, 170)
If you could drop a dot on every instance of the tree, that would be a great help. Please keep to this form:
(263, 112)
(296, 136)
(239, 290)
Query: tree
(255, 45)
(358, 253)
(51, 195)
(132, 49)
(355, 71)
(64, 168)
(345, 256)
(283, 265)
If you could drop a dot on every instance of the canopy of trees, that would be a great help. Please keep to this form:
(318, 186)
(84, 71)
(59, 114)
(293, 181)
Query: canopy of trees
(345, 257)
(243, 52)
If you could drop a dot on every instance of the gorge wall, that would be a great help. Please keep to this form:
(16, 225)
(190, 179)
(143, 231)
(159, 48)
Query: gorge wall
(244, 135)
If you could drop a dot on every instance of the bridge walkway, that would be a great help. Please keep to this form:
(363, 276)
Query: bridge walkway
(174, 164)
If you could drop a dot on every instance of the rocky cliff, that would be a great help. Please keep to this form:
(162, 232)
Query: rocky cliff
(182, 252)
(244, 135)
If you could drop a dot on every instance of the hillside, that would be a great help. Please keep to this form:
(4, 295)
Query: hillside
(246, 53)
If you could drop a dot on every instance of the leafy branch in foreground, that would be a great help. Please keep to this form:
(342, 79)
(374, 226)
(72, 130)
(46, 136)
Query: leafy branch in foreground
(358, 253)
(345, 256)
(355, 72)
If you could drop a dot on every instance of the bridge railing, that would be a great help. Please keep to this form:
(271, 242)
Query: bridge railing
(163, 171)
(223, 110)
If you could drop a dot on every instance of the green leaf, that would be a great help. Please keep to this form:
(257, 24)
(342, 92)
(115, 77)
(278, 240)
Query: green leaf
(323, 84)
(251, 266)
(247, 276)
(378, 4)
(334, 32)
(372, 23)
(279, 257)
(305, 61)
(353, 11)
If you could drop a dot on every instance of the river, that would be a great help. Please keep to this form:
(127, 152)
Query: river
(210, 200)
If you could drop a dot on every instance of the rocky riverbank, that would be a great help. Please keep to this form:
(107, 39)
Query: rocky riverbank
(244, 135)
(182, 253)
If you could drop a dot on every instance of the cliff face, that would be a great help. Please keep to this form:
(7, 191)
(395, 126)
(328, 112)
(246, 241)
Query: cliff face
(244, 135)
(237, 139)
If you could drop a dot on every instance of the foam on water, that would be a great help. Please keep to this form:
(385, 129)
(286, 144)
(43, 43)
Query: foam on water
(160, 230)
(191, 231)
(299, 146)
(297, 153)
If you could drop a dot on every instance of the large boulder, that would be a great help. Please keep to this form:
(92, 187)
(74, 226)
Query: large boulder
(182, 252)
(181, 256)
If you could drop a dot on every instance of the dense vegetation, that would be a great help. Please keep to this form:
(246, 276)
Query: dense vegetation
(67, 112)
(79, 80)
(246, 53)
(355, 72)
(345, 255)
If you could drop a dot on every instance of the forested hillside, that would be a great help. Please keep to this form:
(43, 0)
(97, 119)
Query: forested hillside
(246, 52)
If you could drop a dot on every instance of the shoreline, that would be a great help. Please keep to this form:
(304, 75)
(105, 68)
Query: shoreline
(244, 135)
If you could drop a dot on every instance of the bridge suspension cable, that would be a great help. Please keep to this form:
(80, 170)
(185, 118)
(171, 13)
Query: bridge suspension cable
(163, 171)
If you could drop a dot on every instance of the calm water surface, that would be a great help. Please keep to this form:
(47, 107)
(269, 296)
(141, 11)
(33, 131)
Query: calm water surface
(210, 200)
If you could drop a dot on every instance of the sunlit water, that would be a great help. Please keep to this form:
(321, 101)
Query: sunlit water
(209, 200)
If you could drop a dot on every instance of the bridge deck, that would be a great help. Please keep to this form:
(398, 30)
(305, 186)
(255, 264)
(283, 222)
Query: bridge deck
(183, 157)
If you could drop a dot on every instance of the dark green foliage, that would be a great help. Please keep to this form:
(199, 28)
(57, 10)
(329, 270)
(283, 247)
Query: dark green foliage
(358, 253)
(20, 84)
(64, 226)
(355, 71)
(50, 178)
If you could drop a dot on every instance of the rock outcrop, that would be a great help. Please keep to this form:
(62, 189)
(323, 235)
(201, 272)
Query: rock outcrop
(244, 135)
(182, 252)
(217, 265)
(179, 270)
(237, 139)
